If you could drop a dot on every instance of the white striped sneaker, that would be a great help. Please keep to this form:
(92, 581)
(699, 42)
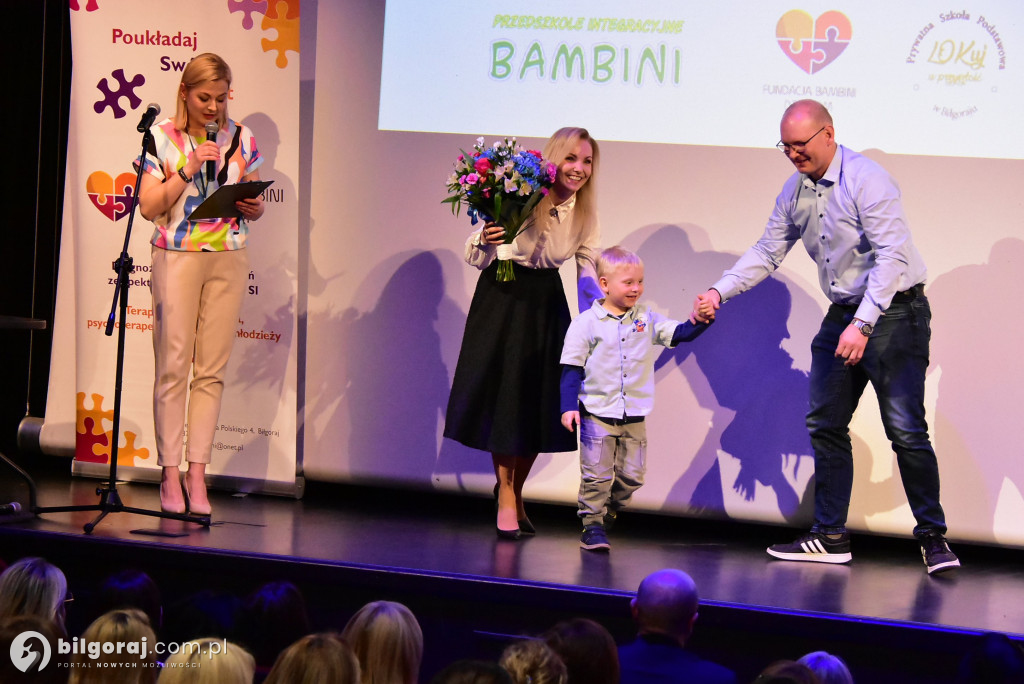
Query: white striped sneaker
(816, 548)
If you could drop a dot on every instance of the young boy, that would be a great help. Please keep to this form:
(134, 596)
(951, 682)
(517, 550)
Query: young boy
(607, 389)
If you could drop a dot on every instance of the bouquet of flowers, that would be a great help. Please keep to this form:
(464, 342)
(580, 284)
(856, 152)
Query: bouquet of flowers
(502, 183)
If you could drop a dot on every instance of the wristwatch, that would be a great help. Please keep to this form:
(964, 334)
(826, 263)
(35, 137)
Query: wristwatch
(865, 328)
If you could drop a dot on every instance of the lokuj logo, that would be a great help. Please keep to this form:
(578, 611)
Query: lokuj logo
(812, 43)
(112, 196)
(27, 655)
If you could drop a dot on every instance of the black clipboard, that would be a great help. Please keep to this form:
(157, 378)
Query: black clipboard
(221, 204)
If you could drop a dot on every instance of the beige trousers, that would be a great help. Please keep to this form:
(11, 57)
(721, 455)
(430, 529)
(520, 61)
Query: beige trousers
(196, 300)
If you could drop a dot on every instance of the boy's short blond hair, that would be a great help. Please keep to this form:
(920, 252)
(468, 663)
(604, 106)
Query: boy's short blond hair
(613, 257)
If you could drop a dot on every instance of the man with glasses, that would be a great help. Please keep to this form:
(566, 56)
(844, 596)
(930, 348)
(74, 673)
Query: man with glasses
(847, 211)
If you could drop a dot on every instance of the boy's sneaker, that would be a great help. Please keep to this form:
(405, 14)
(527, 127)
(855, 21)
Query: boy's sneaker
(815, 547)
(594, 539)
(936, 553)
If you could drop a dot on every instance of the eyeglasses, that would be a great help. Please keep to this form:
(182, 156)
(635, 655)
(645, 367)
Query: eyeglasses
(786, 148)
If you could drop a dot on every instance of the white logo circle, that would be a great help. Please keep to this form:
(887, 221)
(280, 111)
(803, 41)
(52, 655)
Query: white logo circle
(25, 657)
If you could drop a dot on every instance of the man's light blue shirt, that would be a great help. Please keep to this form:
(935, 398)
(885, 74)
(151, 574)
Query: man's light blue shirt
(852, 224)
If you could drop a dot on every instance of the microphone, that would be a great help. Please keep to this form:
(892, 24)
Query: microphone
(211, 134)
(13, 507)
(149, 116)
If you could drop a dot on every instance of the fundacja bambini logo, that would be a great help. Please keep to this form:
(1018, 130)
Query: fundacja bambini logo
(812, 43)
(30, 651)
(112, 196)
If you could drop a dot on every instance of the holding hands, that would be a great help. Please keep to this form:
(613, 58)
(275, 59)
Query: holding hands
(705, 305)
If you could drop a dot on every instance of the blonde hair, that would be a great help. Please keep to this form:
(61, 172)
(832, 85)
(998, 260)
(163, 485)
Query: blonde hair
(533, 661)
(557, 148)
(196, 663)
(388, 642)
(204, 68)
(316, 659)
(613, 257)
(33, 587)
(117, 627)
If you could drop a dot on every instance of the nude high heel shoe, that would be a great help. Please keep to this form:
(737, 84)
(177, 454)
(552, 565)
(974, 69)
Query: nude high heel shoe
(188, 501)
(167, 508)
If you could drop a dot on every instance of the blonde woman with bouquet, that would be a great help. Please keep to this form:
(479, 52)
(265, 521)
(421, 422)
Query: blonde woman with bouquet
(505, 393)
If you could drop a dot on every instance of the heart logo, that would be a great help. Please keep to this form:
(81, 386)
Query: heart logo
(812, 43)
(113, 197)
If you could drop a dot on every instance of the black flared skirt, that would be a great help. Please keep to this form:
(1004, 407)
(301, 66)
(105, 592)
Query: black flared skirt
(505, 391)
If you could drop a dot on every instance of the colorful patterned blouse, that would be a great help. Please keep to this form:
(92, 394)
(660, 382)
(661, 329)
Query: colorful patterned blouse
(168, 153)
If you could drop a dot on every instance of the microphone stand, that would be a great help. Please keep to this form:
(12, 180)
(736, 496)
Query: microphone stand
(110, 500)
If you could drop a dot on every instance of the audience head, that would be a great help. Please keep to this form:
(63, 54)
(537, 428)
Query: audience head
(828, 668)
(117, 627)
(787, 672)
(31, 586)
(996, 659)
(274, 617)
(316, 659)
(666, 604)
(388, 642)
(532, 661)
(12, 629)
(202, 615)
(208, 661)
(132, 589)
(473, 672)
(587, 649)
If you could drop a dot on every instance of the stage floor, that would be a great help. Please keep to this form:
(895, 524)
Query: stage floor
(430, 534)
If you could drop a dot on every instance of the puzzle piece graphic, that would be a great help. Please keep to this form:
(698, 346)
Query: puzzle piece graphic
(826, 51)
(800, 51)
(96, 413)
(812, 43)
(91, 442)
(91, 447)
(113, 197)
(128, 454)
(112, 98)
(286, 22)
(249, 8)
(794, 27)
(90, 6)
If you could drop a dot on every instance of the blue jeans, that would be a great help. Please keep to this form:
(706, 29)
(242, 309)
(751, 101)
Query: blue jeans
(895, 361)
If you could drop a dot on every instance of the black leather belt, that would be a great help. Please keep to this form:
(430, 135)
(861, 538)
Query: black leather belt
(908, 295)
(627, 420)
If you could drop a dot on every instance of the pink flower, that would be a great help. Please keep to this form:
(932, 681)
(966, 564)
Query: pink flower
(472, 179)
(536, 154)
(487, 193)
(482, 165)
(462, 180)
(552, 172)
(461, 157)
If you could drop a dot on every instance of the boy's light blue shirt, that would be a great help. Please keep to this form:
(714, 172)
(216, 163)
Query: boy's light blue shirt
(617, 356)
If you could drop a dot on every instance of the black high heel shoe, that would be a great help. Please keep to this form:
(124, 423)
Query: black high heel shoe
(526, 527)
(511, 535)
